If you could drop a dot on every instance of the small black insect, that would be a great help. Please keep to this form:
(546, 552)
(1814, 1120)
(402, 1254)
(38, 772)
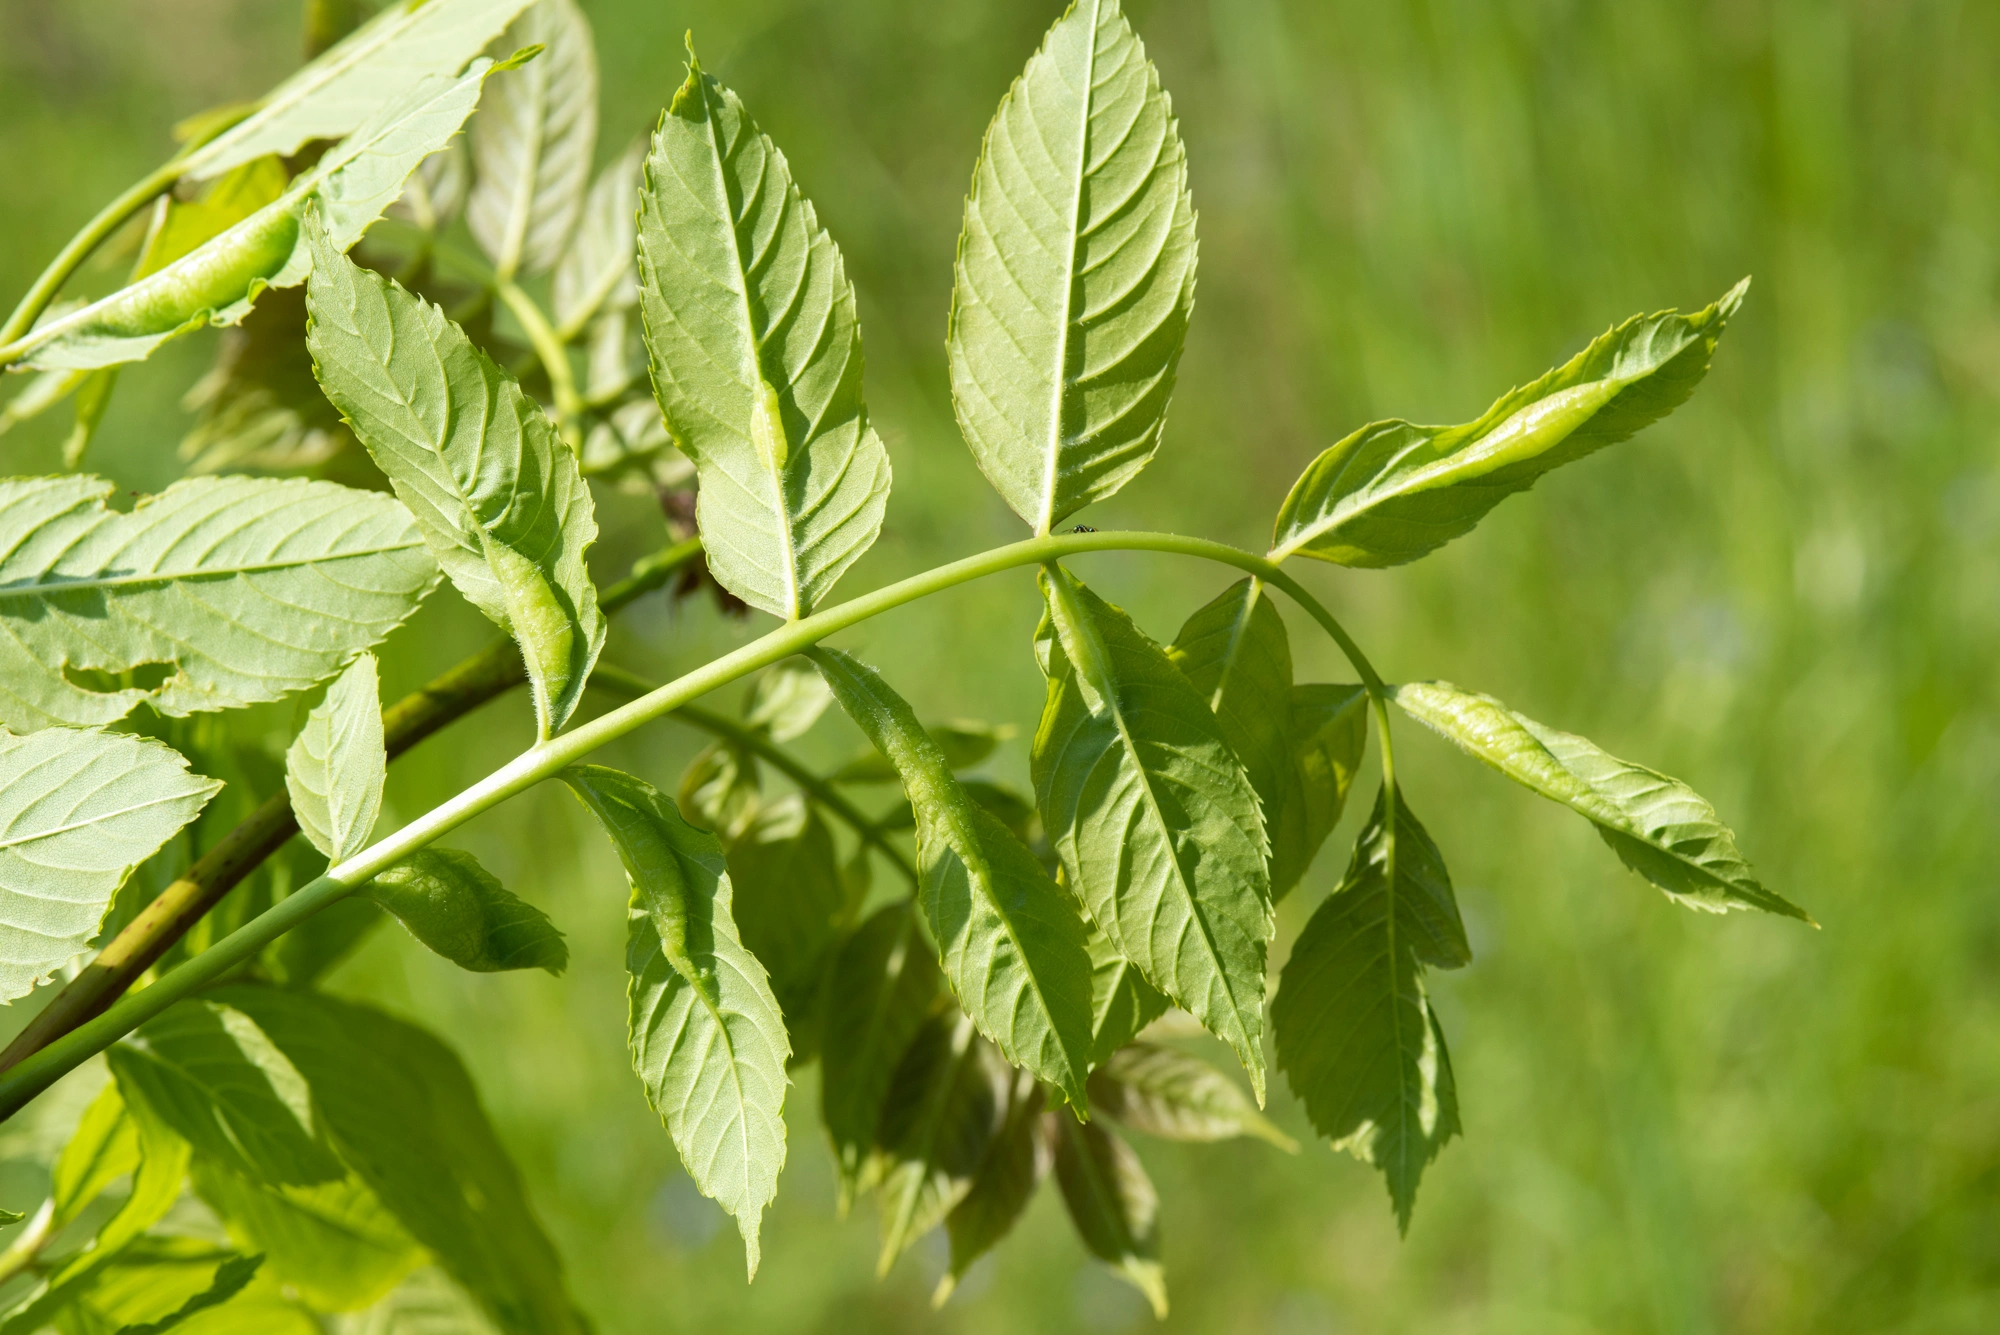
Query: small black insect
(1083, 528)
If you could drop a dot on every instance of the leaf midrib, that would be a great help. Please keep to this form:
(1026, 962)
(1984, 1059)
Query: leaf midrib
(53, 587)
(1060, 383)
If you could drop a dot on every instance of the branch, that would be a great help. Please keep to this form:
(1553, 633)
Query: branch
(546, 759)
(487, 674)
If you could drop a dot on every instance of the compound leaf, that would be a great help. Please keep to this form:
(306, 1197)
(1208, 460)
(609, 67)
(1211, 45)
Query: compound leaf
(1155, 821)
(756, 355)
(1355, 1031)
(1329, 734)
(78, 811)
(1075, 274)
(1016, 1161)
(495, 492)
(708, 1039)
(457, 909)
(1010, 940)
(1112, 1203)
(1172, 1094)
(884, 984)
(1392, 492)
(336, 766)
(532, 142)
(944, 1107)
(218, 592)
(1658, 826)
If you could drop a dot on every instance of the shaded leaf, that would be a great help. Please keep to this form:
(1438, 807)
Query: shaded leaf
(259, 406)
(425, 1304)
(93, 396)
(945, 1105)
(1177, 1096)
(231, 1277)
(78, 811)
(1075, 274)
(1155, 821)
(1010, 940)
(302, 956)
(405, 1117)
(103, 1148)
(42, 392)
(720, 789)
(1236, 652)
(218, 592)
(1328, 737)
(756, 355)
(1354, 1027)
(597, 271)
(532, 142)
(1112, 1203)
(789, 899)
(336, 766)
(455, 907)
(883, 985)
(436, 191)
(333, 1243)
(963, 743)
(495, 492)
(1122, 1003)
(707, 1037)
(1658, 826)
(1392, 492)
(788, 699)
(1017, 1158)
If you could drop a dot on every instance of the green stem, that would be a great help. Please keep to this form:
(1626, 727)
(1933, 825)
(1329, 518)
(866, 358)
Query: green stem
(631, 685)
(546, 759)
(554, 358)
(108, 220)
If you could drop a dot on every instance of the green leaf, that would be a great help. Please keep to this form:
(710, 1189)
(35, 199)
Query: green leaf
(1016, 1161)
(350, 82)
(8, 1218)
(93, 396)
(231, 1277)
(259, 406)
(304, 955)
(216, 593)
(104, 1148)
(494, 490)
(597, 271)
(405, 1116)
(217, 282)
(78, 811)
(211, 1074)
(788, 699)
(964, 743)
(720, 788)
(182, 226)
(1121, 1002)
(1658, 826)
(1355, 1031)
(1392, 492)
(425, 1304)
(1156, 823)
(883, 985)
(789, 899)
(41, 393)
(333, 1243)
(532, 142)
(1075, 275)
(1112, 1203)
(707, 1037)
(1177, 1096)
(1237, 654)
(1329, 734)
(1010, 940)
(457, 909)
(945, 1105)
(756, 355)
(436, 191)
(336, 766)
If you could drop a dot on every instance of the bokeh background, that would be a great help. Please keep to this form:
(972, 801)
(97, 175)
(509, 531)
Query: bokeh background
(1787, 594)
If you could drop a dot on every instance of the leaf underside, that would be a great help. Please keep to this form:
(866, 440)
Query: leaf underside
(1112, 1203)
(532, 142)
(335, 768)
(459, 910)
(944, 1106)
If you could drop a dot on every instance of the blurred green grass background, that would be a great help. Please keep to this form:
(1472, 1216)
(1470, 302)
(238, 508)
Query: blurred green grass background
(1787, 594)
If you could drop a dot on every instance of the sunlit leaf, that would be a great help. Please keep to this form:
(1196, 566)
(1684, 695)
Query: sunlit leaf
(78, 811)
(597, 271)
(427, 1303)
(334, 1243)
(495, 492)
(457, 909)
(217, 592)
(532, 142)
(181, 226)
(103, 1148)
(230, 1279)
(336, 766)
(883, 986)
(1392, 491)
(1075, 274)
(1112, 1203)
(756, 355)
(720, 789)
(1658, 826)
(1165, 1092)
(1016, 1160)
(1354, 1027)
(707, 1037)
(788, 699)
(93, 397)
(944, 1107)
(212, 1075)
(1010, 940)
(436, 191)
(1329, 733)
(404, 1115)
(1156, 823)
(1121, 1002)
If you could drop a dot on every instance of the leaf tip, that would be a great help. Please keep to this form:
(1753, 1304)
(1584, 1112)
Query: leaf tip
(942, 1293)
(518, 59)
(747, 1224)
